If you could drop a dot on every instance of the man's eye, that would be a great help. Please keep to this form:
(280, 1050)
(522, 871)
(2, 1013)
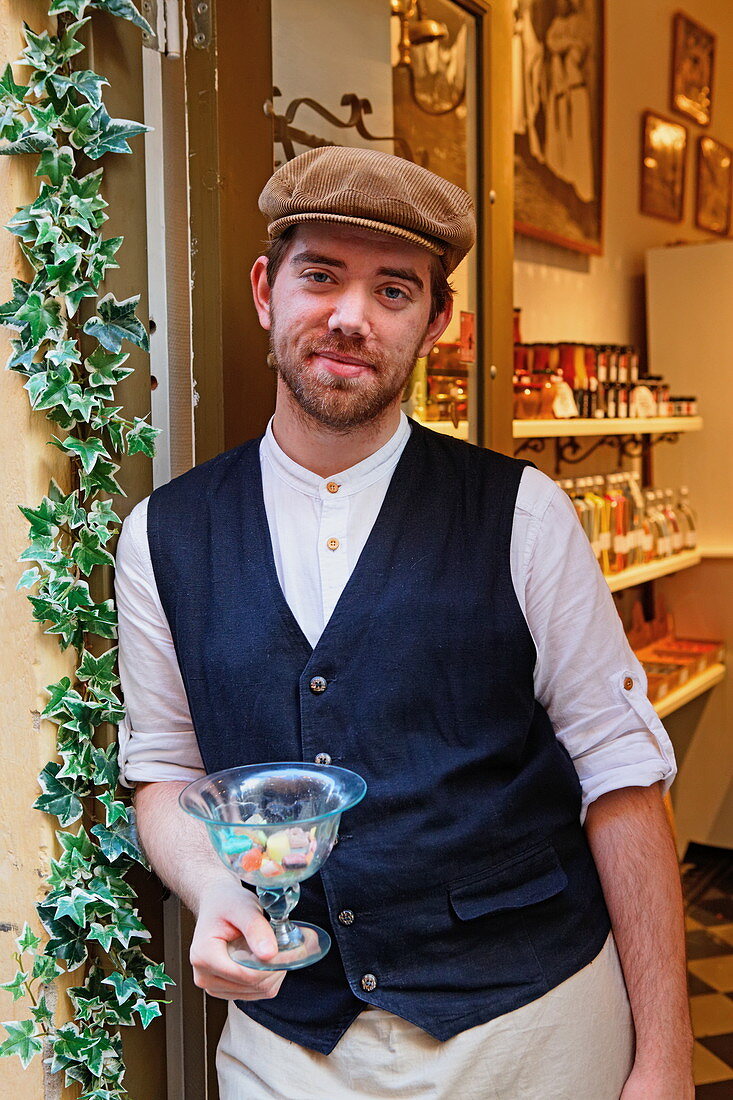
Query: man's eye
(319, 277)
(394, 293)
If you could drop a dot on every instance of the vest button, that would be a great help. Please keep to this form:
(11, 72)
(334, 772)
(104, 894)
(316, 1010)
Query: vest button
(368, 983)
(346, 917)
(323, 758)
(318, 685)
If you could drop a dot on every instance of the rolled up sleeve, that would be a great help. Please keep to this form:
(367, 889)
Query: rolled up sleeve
(156, 738)
(586, 676)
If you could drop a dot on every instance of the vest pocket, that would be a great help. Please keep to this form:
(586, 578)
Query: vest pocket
(531, 877)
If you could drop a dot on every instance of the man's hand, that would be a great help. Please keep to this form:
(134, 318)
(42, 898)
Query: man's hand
(226, 911)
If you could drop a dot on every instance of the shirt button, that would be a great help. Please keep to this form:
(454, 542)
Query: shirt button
(323, 758)
(333, 486)
(368, 983)
(318, 685)
(628, 683)
(346, 917)
(333, 544)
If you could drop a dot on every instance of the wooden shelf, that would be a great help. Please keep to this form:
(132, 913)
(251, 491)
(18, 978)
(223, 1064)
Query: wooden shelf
(698, 685)
(657, 425)
(639, 574)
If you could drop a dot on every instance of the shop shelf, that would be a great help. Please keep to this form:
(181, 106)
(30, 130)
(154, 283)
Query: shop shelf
(698, 685)
(656, 425)
(639, 574)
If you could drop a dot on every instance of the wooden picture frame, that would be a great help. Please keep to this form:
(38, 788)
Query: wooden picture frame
(693, 57)
(662, 170)
(714, 186)
(558, 108)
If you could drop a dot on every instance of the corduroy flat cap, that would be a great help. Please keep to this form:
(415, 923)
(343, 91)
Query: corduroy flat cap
(375, 190)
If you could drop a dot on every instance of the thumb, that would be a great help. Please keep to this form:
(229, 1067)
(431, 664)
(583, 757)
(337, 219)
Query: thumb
(260, 937)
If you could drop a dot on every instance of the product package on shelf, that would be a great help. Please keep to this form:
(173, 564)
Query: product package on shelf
(669, 662)
(627, 526)
(589, 381)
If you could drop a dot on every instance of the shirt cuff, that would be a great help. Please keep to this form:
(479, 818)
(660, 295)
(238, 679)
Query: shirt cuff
(142, 761)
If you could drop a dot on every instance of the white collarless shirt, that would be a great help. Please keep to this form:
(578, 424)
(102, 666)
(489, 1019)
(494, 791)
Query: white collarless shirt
(318, 528)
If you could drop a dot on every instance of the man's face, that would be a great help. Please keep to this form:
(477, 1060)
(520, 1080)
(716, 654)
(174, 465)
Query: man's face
(348, 316)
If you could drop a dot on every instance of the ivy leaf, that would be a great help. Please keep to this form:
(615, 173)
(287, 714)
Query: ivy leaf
(67, 940)
(105, 368)
(58, 798)
(106, 769)
(141, 437)
(85, 82)
(46, 969)
(40, 1012)
(17, 986)
(101, 255)
(27, 940)
(115, 843)
(43, 519)
(127, 926)
(147, 1011)
(76, 7)
(100, 670)
(57, 164)
(61, 694)
(9, 310)
(88, 451)
(104, 134)
(88, 552)
(74, 905)
(115, 810)
(124, 986)
(100, 619)
(10, 92)
(101, 479)
(101, 517)
(45, 118)
(22, 1040)
(41, 314)
(115, 322)
(29, 578)
(29, 141)
(125, 9)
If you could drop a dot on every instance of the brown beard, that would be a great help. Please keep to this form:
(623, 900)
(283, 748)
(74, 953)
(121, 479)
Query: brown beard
(340, 404)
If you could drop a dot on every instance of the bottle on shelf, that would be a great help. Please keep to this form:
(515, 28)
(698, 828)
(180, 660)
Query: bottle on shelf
(688, 517)
(669, 511)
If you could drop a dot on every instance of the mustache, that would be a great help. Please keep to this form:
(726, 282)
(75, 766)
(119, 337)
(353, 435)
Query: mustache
(343, 345)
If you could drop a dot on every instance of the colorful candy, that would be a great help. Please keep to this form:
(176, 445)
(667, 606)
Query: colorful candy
(270, 855)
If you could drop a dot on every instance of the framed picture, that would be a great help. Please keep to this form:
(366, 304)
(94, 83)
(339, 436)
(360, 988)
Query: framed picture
(714, 180)
(693, 53)
(663, 156)
(557, 77)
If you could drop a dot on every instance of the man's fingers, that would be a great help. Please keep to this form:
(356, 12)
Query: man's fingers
(260, 937)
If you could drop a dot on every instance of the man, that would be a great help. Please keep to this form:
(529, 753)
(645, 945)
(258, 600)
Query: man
(296, 598)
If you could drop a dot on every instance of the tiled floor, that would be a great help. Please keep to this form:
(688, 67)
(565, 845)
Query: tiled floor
(710, 972)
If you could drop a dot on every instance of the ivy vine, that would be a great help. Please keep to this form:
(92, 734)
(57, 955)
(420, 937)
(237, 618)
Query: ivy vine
(89, 910)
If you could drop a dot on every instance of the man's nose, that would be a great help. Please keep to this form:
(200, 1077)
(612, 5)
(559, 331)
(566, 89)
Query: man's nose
(350, 314)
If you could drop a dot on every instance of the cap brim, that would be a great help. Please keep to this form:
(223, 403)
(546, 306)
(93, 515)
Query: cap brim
(278, 227)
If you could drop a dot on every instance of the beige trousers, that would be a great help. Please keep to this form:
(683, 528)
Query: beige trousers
(575, 1043)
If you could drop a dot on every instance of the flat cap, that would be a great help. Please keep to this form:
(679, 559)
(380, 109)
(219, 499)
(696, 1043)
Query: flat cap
(374, 190)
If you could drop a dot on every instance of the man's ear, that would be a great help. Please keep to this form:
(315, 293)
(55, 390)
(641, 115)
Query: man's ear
(261, 290)
(435, 329)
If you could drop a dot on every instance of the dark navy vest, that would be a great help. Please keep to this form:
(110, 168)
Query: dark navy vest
(471, 884)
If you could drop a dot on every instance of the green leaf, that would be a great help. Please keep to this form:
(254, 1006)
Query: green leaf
(41, 315)
(88, 551)
(10, 92)
(100, 255)
(100, 619)
(98, 134)
(43, 519)
(58, 798)
(29, 141)
(147, 1011)
(29, 578)
(115, 810)
(46, 969)
(22, 1040)
(76, 7)
(125, 9)
(27, 940)
(17, 985)
(74, 905)
(105, 368)
(57, 164)
(40, 1012)
(88, 451)
(101, 480)
(156, 976)
(116, 321)
(102, 517)
(44, 118)
(142, 437)
(85, 82)
(115, 843)
(106, 768)
(9, 310)
(100, 670)
(123, 985)
(67, 940)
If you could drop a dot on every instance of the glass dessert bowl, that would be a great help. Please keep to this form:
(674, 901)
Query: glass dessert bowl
(274, 825)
